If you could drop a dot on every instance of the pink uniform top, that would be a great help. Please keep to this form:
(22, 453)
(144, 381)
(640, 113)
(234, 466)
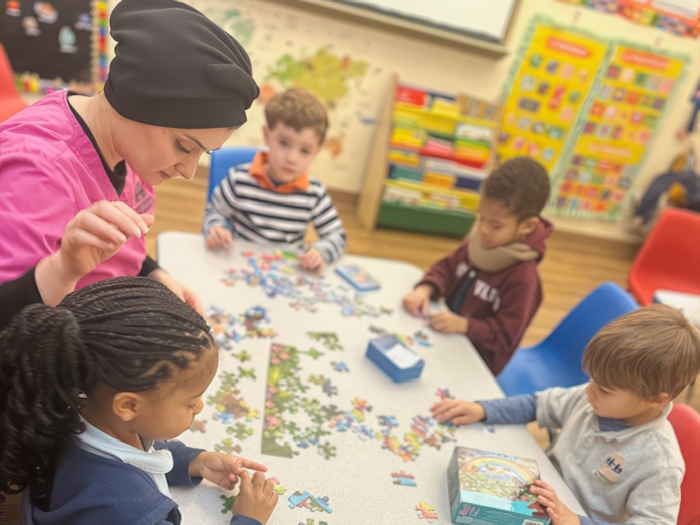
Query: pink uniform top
(49, 171)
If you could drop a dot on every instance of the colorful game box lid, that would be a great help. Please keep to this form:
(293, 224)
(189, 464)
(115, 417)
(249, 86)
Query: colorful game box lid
(491, 488)
(357, 277)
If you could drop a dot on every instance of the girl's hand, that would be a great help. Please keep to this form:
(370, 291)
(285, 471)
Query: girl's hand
(560, 514)
(458, 412)
(311, 260)
(257, 498)
(90, 238)
(179, 289)
(219, 237)
(417, 302)
(222, 469)
(448, 323)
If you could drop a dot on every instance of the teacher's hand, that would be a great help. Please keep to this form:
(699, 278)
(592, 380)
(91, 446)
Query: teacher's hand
(90, 238)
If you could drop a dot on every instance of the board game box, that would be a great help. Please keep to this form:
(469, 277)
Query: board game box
(357, 277)
(398, 361)
(488, 488)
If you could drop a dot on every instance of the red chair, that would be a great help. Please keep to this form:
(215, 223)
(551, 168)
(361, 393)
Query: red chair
(10, 100)
(670, 257)
(686, 424)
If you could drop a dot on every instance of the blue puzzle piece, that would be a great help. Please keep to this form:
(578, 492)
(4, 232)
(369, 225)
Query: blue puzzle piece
(298, 499)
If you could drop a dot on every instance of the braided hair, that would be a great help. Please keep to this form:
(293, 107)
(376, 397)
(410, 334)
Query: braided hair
(129, 333)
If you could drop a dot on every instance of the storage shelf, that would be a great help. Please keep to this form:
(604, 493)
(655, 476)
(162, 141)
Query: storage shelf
(451, 223)
(430, 157)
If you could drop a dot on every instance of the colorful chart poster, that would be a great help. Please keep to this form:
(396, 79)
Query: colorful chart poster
(626, 108)
(556, 72)
(679, 17)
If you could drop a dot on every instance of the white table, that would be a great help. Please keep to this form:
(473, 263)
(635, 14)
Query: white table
(358, 479)
(688, 303)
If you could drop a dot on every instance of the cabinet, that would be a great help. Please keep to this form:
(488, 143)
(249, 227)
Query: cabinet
(431, 152)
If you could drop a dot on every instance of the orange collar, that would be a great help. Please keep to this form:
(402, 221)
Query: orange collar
(258, 170)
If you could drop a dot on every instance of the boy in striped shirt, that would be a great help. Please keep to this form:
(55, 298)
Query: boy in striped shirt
(273, 200)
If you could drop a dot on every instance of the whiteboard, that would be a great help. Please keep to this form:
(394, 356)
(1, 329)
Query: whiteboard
(479, 26)
(485, 19)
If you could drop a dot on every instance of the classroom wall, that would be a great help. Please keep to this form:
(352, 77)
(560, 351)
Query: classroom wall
(350, 66)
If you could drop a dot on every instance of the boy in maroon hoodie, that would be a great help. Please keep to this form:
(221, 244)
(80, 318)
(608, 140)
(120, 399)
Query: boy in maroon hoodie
(490, 283)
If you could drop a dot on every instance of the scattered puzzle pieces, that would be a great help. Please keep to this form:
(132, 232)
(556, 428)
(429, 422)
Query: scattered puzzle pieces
(426, 512)
(327, 339)
(340, 366)
(330, 389)
(402, 478)
(444, 393)
(307, 500)
(230, 329)
(278, 275)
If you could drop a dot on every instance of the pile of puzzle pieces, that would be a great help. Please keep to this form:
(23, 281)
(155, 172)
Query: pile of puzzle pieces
(278, 274)
(307, 500)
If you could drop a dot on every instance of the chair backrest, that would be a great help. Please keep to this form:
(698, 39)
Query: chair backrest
(686, 424)
(10, 100)
(222, 160)
(669, 258)
(556, 361)
(605, 303)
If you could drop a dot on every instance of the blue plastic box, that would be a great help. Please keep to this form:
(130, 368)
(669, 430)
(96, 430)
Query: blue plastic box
(397, 361)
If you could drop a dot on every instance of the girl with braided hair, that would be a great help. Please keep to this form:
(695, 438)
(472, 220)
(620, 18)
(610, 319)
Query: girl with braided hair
(90, 390)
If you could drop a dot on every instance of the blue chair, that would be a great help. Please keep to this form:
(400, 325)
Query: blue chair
(226, 158)
(556, 361)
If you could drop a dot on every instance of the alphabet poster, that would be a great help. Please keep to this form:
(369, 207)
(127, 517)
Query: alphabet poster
(556, 72)
(627, 105)
(587, 109)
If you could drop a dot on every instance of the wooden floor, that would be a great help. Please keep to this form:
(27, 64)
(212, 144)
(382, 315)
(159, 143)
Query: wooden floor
(572, 267)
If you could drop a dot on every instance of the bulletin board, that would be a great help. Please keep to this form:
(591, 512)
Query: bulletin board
(552, 79)
(626, 108)
(57, 42)
(587, 109)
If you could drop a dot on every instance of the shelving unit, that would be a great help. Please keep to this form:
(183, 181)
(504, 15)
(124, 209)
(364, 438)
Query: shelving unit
(432, 151)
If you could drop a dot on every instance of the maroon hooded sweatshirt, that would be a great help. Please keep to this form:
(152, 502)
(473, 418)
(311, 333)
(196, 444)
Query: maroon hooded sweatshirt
(499, 305)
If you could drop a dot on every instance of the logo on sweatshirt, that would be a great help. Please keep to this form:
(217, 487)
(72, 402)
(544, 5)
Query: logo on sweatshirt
(487, 293)
(143, 201)
(612, 469)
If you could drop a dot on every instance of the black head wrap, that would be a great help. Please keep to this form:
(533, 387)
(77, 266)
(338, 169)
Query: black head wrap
(175, 68)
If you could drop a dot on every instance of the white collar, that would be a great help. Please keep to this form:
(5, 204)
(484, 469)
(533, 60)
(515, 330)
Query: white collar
(155, 463)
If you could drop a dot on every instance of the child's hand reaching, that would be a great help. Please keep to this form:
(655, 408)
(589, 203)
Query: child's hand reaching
(417, 302)
(448, 323)
(222, 469)
(311, 260)
(560, 514)
(257, 498)
(219, 237)
(458, 412)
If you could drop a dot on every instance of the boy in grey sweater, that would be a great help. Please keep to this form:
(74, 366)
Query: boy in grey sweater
(615, 448)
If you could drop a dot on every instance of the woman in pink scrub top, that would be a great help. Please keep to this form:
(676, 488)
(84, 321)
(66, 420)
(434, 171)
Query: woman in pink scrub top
(77, 173)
